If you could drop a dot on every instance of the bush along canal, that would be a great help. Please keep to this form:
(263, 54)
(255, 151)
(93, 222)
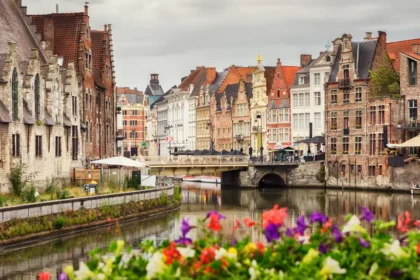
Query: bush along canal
(29, 222)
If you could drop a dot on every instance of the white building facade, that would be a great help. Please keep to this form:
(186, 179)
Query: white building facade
(162, 122)
(308, 100)
(192, 137)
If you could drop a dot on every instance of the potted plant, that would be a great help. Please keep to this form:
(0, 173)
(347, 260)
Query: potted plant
(118, 110)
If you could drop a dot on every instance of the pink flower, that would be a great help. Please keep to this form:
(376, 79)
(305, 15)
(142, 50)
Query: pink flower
(274, 216)
(248, 222)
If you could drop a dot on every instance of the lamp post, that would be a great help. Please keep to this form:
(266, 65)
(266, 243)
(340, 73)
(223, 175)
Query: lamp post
(210, 126)
(259, 134)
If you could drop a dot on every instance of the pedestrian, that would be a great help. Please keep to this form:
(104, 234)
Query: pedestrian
(250, 152)
(241, 150)
(261, 153)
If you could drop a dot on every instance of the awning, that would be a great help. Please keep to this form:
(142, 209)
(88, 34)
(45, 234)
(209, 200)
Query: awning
(413, 142)
(120, 161)
(313, 140)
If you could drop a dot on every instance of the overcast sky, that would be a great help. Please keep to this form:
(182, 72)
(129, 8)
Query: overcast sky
(171, 37)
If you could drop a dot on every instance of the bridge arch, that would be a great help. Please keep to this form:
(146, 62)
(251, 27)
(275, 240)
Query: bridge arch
(271, 180)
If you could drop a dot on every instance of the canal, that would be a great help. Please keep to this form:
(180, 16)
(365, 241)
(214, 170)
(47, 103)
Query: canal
(197, 199)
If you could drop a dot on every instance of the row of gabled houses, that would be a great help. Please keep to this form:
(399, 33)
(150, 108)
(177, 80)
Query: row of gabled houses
(57, 99)
(359, 96)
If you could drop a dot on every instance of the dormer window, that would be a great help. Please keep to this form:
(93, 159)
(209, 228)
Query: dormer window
(301, 79)
(328, 58)
(412, 72)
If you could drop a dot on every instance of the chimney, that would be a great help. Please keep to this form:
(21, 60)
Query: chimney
(382, 38)
(105, 27)
(154, 79)
(86, 8)
(56, 9)
(415, 48)
(304, 60)
(368, 36)
(278, 61)
(210, 74)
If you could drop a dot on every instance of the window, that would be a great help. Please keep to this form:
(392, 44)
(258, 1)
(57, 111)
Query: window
(58, 146)
(91, 132)
(38, 145)
(372, 171)
(15, 95)
(283, 135)
(334, 96)
(381, 114)
(352, 167)
(283, 115)
(75, 142)
(358, 119)
(346, 119)
(372, 144)
(124, 112)
(412, 109)
(295, 121)
(272, 116)
(295, 100)
(307, 120)
(301, 79)
(358, 145)
(301, 101)
(301, 121)
(333, 120)
(317, 100)
(359, 169)
(307, 99)
(380, 170)
(333, 145)
(412, 72)
(317, 117)
(345, 145)
(358, 94)
(278, 93)
(134, 112)
(16, 145)
(87, 131)
(346, 96)
(317, 79)
(380, 142)
(372, 115)
(37, 98)
(74, 105)
(273, 135)
(133, 122)
(124, 123)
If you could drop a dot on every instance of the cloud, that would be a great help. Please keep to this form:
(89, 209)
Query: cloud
(171, 37)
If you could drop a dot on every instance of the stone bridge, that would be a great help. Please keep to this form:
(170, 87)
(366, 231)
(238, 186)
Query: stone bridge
(239, 171)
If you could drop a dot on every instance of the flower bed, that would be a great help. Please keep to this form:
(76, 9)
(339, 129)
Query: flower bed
(357, 250)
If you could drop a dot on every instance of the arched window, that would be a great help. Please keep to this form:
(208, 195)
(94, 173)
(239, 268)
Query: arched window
(15, 95)
(278, 93)
(37, 98)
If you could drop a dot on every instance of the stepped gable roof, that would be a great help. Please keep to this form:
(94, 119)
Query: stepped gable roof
(197, 78)
(220, 76)
(68, 29)
(13, 28)
(98, 40)
(127, 90)
(394, 48)
(231, 91)
(366, 52)
(269, 77)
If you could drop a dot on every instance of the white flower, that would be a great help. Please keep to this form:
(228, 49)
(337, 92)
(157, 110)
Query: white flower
(220, 253)
(304, 239)
(253, 270)
(353, 225)
(373, 269)
(84, 272)
(394, 250)
(186, 252)
(155, 266)
(332, 266)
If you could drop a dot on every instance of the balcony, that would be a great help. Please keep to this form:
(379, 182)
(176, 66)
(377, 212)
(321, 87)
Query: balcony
(344, 83)
(239, 137)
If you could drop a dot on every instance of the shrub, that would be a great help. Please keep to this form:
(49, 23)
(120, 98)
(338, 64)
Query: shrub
(28, 195)
(163, 199)
(18, 180)
(320, 175)
(62, 194)
(112, 185)
(58, 223)
(177, 194)
(3, 201)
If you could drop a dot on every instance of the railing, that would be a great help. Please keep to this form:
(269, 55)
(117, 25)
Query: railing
(225, 160)
(344, 83)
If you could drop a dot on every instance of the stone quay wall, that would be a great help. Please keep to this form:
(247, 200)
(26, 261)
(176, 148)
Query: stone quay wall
(60, 206)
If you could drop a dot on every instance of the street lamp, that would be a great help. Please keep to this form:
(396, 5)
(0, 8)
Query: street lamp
(259, 116)
(210, 125)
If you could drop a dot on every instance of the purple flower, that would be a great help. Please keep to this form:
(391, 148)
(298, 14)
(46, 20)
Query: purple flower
(301, 225)
(271, 232)
(185, 227)
(367, 215)
(338, 236)
(233, 242)
(215, 212)
(289, 232)
(323, 248)
(364, 243)
(63, 276)
(317, 217)
(395, 274)
(183, 241)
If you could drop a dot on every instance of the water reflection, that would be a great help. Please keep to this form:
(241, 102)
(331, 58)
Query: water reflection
(198, 199)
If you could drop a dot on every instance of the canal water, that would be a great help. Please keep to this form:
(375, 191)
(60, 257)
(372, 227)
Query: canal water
(198, 199)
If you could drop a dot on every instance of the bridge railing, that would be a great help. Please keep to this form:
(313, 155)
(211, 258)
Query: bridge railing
(196, 160)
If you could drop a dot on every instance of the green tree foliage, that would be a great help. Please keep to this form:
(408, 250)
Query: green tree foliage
(385, 81)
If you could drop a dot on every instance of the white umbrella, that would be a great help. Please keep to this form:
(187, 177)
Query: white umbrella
(413, 142)
(120, 161)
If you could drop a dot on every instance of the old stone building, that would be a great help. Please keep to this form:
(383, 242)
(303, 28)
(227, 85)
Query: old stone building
(241, 120)
(39, 104)
(69, 36)
(261, 89)
(134, 109)
(279, 109)
(359, 121)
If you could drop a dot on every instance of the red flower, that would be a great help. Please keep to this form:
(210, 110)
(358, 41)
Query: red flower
(417, 223)
(248, 222)
(404, 223)
(260, 247)
(418, 249)
(237, 224)
(274, 216)
(214, 222)
(197, 265)
(327, 225)
(171, 253)
(207, 255)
